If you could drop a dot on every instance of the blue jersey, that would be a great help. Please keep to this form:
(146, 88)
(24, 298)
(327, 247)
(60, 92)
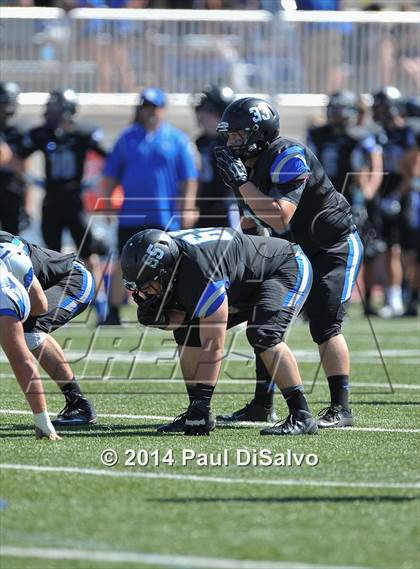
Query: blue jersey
(151, 166)
(14, 300)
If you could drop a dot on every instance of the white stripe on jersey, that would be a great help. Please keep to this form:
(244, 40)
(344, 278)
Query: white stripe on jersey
(14, 298)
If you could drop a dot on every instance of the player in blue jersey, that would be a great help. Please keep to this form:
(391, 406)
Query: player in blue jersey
(154, 163)
(280, 183)
(15, 308)
(200, 282)
(68, 288)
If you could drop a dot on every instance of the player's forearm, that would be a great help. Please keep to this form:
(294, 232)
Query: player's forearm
(188, 203)
(30, 383)
(264, 207)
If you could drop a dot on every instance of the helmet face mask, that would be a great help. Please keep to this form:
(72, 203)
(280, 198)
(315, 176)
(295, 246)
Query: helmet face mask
(342, 109)
(9, 93)
(257, 119)
(61, 105)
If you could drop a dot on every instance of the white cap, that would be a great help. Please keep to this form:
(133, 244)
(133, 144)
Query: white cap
(17, 262)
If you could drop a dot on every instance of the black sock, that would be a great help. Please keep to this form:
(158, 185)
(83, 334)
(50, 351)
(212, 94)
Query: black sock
(71, 390)
(204, 391)
(339, 390)
(264, 388)
(264, 392)
(191, 390)
(295, 398)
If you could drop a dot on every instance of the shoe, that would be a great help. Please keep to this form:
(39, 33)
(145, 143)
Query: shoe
(251, 412)
(199, 419)
(370, 311)
(175, 426)
(411, 310)
(335, 416)
(388, 311)
(297, 423)
(78, 411)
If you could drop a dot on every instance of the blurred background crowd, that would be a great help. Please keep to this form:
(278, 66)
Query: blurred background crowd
(70, 183)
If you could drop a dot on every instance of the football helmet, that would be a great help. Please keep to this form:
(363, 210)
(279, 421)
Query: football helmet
(149, 256)
(342, 108)
(257, 118)
(387, 103)
(17, 262)
(213, 99)
(9, 93)
(60, 105)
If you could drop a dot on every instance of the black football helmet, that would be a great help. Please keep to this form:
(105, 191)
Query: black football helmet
(387, 103)
(258, 118)
(60, 105)
(342, 108)
(214, 99)
(9, 93)
(149, 256)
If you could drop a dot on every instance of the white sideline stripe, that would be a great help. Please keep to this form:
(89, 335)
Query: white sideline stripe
(238, 424)
(213, 479)
(181, 561)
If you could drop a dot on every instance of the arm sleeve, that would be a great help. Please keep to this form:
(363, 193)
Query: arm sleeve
(115, 161)
(186, 167)
(211, 299)
(288, 174)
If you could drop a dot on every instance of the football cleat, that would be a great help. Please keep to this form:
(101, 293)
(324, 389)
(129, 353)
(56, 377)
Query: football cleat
(78, 411)
(251, 412)
(175, 426)
(335, 416)
(199, 419)
(297, 423)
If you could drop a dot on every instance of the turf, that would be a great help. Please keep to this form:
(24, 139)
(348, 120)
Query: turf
(371, 522)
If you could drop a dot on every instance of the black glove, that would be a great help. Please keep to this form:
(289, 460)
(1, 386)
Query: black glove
(231, 168)
(148, 311)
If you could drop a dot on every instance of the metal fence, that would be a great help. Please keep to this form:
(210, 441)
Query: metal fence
(120, 51)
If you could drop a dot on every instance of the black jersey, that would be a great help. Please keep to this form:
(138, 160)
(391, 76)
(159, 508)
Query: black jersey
(10, 181)
(64, 153)
(49, 266)
(218, 263)
(289, 170)
(342, 154)
(395, 143)
(214, 197)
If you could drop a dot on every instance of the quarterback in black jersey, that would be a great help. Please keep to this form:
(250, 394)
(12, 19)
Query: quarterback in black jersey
(200, 282)
(64, 145)
(69, 289)
(282, 182)
(13, 216)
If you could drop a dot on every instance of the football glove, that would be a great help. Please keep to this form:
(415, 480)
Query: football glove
(148, 311)
(231, 169)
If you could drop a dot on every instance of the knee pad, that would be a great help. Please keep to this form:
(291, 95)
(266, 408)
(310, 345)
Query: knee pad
(262, 339)
(322, 334)
(34, 339)
(188, 335)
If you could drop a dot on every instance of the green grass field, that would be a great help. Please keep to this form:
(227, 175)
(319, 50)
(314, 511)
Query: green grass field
(60, 507)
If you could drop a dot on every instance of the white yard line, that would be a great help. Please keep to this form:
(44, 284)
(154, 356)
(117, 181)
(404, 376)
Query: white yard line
(239, 424)
(211, 479)
(140, 380)
(180, 561)
(408, 356)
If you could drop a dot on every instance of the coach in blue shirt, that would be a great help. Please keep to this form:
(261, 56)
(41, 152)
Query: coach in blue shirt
(154, 163)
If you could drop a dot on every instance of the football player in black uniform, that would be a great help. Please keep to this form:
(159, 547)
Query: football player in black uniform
(399, 139)
(64, 145)
(13, 216)
(69, 289)
(352, 159)
(282, 182)
(216, 202)
(188, 280)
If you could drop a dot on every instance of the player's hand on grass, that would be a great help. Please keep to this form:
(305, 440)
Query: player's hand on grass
(52, 436)
(231, 168)
(149, 311)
